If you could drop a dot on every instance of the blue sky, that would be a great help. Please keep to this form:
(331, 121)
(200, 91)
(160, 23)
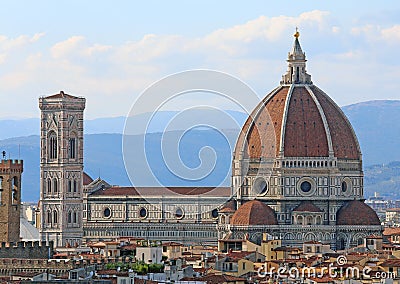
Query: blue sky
(110, 51)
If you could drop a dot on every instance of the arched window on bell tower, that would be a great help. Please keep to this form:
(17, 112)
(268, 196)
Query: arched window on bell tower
(49, 186)
(72, 147)
(53, 150)
(55, 186)
(55, 217)
(49, 219)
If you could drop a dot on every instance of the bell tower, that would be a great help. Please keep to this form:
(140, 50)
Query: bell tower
(61, 169)
(10, 199)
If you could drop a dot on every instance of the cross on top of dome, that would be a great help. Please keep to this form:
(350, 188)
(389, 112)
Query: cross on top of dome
(296, 73)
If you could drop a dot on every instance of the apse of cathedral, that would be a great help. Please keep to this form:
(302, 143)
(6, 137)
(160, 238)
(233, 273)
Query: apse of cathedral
(297, 169)
(296, 175)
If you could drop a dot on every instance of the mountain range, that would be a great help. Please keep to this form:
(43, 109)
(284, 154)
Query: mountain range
(375, 123)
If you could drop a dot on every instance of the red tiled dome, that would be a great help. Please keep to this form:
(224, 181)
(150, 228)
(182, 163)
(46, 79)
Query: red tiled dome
(254, 212)
(297, 122)
(356, 213)
(307, 206)
(297, 119)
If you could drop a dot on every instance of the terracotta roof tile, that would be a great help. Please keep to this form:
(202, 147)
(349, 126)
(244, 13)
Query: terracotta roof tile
(228, 207)
(391, 231)
(86, 179)
(163, 191)
(254, 212)
(307, 206)
(356, 212)
(304, 133)
(345, 144)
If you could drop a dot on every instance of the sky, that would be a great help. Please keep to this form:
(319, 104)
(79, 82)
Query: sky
(111, 51)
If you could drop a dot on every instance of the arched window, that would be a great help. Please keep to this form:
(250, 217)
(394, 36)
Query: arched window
(53, 145)
(1, 190)
(75, 187)
(55, 217)
(69, 186)
(72, 148)
(69, 217)
(75, 217)
(14, 188)
(55, 185)
(49, 186)
(49, 216)
(300, 220)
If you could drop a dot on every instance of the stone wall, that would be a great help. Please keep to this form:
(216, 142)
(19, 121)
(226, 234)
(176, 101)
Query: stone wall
(26, 250)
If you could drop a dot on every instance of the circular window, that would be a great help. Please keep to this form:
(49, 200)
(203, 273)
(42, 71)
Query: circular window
(260, 186)
(143, 212)
(344, 186)
(179, 213)
(214, 213)
(305, 186)
(107, 212)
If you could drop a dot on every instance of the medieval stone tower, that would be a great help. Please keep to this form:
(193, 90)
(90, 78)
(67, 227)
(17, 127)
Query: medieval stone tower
(10, 199)
(61, 169)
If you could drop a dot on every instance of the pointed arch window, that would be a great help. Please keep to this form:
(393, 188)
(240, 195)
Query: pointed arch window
(72, 147)
(49, 216)
(69, 186)
(49, 186)
(55, 217)
(75, 217)
(69, 217)
(53, 147)
(55, 185)
(75, 186)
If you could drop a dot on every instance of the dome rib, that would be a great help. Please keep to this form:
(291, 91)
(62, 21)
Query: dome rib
(253, 213)
(284, 118)
(305, 133)
(344, 139)
(324, 120)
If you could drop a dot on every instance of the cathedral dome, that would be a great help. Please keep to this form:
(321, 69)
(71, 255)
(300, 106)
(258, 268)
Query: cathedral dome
(254, 212)
(297, 119)
(357, 213)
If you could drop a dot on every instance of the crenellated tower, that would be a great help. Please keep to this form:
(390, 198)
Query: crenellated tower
(10, 199)
(61, 169)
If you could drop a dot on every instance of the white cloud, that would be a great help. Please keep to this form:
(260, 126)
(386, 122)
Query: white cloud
(391, 33)
(254, 51)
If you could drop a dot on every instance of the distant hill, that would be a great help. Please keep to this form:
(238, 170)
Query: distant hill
(375, 122)
(377, 126)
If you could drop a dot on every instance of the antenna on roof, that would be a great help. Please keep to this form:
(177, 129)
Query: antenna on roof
(99, 173)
